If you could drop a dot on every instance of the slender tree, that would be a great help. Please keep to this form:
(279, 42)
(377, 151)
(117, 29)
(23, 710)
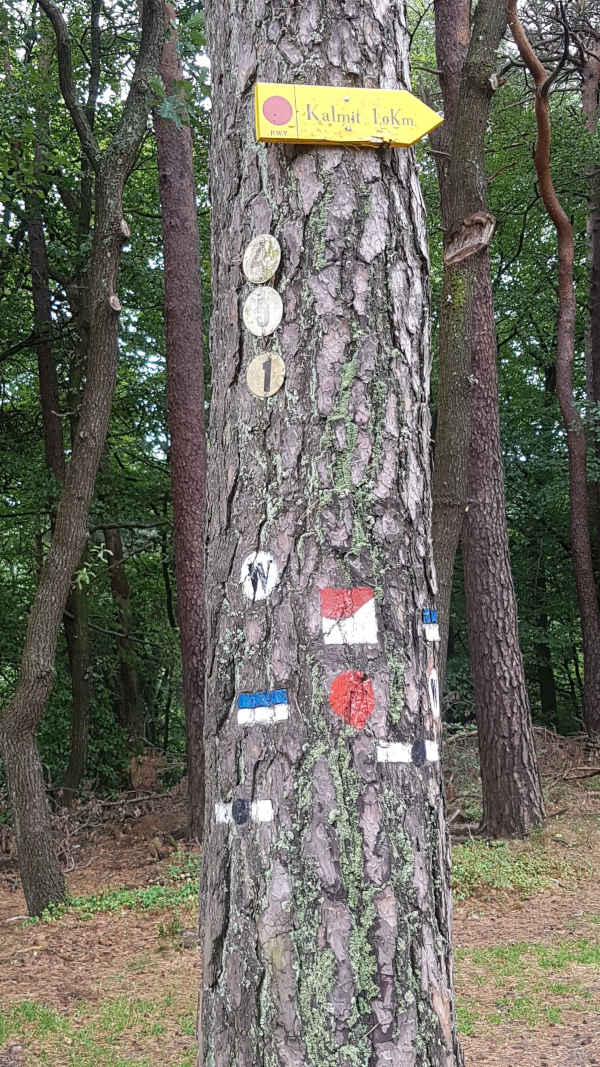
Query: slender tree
(42, 878)
(325, 903)
(565, 346)
(185, 397)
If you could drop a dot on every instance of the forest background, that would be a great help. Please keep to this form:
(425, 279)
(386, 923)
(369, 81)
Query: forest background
(119, 684)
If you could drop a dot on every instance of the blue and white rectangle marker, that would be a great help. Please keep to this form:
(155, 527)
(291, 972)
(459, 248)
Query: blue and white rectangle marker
(430, 624)
(267, 707)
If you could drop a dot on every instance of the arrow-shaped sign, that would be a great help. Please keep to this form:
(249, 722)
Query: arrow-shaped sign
(326, 114)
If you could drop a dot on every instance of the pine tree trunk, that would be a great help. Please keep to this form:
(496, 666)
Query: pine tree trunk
(325, 900)
(512, 797)
(185, 397)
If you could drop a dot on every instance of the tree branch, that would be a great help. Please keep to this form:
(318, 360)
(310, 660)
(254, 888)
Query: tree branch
(65, 75)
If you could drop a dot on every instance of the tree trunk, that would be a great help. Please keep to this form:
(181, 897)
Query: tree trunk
(185, 397)
(466, 63)
(589, 94)
(574, 427)
(512, 796)
(75, 620)
(77, 637)
(131, 706)
(41, 874)
(502, 705)
(325, 899)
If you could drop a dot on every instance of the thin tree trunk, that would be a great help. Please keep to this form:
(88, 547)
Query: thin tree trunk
(574, 427)
(131, 706)
(325, 901)
(43, 882)
(75, 620)
(185, 396)
(512, 796)
(589, 93)
(77, 637)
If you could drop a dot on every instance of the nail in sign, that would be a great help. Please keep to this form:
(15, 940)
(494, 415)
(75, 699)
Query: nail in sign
(259, 575)
(265, 375)
(352, 698)
(262, 311)
(261, 258)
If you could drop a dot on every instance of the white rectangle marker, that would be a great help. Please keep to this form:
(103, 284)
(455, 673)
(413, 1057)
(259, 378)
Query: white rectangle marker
(400, 752)
(394, 752)
(260, 811)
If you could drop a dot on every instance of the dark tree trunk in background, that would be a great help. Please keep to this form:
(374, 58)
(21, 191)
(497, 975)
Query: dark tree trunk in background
(574, 427)
(512, 799)
(327, 926)
(590, 85)
(512, 796)
(185, 398)
(131, 707)
(466, 64)
(76, 613)
(43, 882)
(77, 637)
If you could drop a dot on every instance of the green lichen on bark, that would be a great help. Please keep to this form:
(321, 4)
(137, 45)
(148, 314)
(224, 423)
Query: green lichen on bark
(395, 708)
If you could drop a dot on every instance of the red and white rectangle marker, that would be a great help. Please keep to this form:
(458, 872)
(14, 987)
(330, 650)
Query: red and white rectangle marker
(348, 616)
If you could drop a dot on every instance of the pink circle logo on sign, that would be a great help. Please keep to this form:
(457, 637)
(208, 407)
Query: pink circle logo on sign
(277, 110)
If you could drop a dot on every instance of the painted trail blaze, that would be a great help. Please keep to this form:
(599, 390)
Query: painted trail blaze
(352, 698)
(348, 616)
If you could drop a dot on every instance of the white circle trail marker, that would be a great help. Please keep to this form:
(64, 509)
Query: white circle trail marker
(265, 375)
(259, 575)
(263, 311)
(261, 258)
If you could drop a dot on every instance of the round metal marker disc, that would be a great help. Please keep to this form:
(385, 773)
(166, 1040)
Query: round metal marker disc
(265, 375)
(261, 258)
(263, 310)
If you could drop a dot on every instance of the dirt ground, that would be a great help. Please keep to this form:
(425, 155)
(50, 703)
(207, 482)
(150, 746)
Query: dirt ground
(72, 964)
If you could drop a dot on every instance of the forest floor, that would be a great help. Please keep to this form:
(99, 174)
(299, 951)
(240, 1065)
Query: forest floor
(109, 983)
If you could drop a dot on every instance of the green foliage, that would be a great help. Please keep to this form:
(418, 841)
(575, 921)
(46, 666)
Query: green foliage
(483, 866)
(182, 889)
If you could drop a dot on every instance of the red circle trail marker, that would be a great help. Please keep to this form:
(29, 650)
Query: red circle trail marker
(277, 110)
(352, 698)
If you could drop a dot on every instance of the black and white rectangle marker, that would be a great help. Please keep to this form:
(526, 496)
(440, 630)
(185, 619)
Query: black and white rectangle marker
(242, 811)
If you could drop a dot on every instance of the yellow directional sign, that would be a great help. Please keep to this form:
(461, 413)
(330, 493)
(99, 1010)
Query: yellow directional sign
(326, 114)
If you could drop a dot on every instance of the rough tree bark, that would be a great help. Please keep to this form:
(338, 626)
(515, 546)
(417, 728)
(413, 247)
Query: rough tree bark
(512, 798)
(41, 874)
(185, 398)
(511, 788)
(131, 714)
(466, 62)
(326, 926)
(565, 347)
